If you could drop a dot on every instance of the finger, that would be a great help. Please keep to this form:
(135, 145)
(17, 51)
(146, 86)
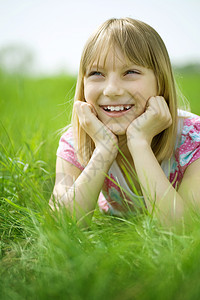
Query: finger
(89, 120)
(92, 109)
(164, 110)
(82, 105)
(153, 106)
(159, 103)
(88, 110)
(77, 106)
(83, 110)
(91, 124)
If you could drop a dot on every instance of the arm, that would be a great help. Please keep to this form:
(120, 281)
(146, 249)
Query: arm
(157, 190)
(189, 188)
(155, 185)
(79, 191)
(170, 204)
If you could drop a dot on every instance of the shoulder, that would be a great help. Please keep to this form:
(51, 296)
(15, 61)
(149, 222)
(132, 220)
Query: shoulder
(189, 146)
(66, 149)
(67, 136)
(190, 135)
(188, 128)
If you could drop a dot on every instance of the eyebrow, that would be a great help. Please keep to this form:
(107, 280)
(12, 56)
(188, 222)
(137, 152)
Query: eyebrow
(95, 66)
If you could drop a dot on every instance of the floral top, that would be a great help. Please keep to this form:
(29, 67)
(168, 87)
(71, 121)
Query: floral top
(116, 197)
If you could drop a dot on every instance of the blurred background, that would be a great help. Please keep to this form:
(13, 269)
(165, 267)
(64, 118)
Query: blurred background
(47, 37)
(40, 48)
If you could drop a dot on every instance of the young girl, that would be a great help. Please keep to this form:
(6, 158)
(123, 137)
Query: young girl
(128, 147)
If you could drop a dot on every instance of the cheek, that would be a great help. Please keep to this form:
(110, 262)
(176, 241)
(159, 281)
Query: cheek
(153, 86)
(90, 94)
(147, 90)
(86, 93)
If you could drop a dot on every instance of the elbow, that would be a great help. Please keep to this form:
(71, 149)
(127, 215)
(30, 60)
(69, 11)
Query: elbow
(53, 202)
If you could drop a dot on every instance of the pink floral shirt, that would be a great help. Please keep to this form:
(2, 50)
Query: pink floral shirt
(116, 198)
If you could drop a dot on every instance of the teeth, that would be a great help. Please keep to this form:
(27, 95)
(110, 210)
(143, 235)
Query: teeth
(117, 108)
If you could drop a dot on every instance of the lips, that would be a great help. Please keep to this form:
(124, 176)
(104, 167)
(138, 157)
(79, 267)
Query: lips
(116, 105)
(106, 105)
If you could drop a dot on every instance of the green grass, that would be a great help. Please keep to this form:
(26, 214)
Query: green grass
(45, 256)
(190, 87)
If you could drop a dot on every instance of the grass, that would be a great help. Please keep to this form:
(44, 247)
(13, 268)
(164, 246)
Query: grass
(45, 256)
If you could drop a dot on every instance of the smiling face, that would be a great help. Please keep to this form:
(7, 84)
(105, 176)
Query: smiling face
(118, 90)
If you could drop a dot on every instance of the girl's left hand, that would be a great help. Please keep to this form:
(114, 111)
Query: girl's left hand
(155, 119)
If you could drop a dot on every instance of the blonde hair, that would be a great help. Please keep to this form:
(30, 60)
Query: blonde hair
(143, 46)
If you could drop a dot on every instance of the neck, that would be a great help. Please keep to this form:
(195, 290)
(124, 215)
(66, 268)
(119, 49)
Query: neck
(122, 142)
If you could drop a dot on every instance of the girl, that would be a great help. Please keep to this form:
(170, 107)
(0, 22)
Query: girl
(128, 145)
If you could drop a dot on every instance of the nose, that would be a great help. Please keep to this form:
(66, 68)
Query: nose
(113, 87)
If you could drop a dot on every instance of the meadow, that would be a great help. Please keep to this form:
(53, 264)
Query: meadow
(45, 255)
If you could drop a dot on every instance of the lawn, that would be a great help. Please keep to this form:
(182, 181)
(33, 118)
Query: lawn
(45, 256)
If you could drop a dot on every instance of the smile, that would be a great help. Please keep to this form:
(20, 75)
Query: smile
(116, 107)
(116, 110)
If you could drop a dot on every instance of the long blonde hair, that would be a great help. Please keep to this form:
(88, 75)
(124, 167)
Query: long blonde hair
(143, 46)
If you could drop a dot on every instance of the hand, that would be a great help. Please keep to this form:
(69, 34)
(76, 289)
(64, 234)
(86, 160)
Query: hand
(154, 120)
(103, 138)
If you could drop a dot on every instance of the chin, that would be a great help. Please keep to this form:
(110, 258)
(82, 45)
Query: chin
(118, 130)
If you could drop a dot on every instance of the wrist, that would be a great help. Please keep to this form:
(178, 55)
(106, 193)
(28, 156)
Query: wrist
(138, 138)
(138, 145)
(106, 157)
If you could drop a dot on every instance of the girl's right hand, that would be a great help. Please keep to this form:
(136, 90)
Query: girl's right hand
(105, 141)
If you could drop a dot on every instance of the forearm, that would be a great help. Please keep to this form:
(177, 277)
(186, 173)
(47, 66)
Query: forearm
(81, 198)
(155, 186)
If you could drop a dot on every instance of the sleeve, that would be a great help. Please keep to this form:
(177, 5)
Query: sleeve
(66, 149)
(103, 204)
(189, 150)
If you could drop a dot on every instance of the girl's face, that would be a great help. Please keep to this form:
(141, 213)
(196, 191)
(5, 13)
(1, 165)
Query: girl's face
(118, 91)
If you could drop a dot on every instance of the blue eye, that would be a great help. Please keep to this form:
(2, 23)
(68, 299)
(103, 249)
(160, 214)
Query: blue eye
(95, 73)
(131, 72)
